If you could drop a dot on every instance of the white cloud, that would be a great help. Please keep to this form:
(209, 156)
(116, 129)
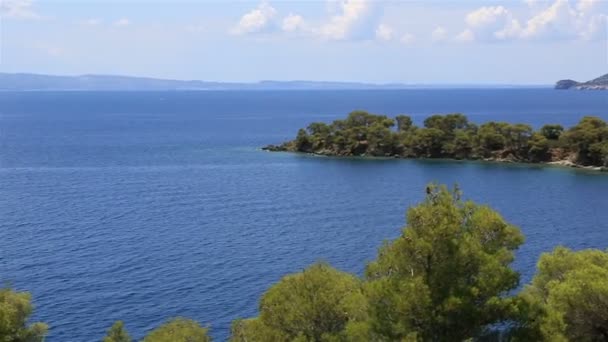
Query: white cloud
(511, 30)
(293, 23)
(465, 36)
(486, 16)
(347, 19)
(257, 20)
(439, 34)
(558, 19)
(407, 38)
(488, 24)
(563, 21)
(360, 19)
(384, 32)
(20, 9)
(594, 24)
(355, 19)
(123, 22)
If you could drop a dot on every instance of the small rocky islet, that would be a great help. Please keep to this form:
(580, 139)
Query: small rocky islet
(453, 136)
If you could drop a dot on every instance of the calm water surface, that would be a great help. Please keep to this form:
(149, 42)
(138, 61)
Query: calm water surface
(144, 206)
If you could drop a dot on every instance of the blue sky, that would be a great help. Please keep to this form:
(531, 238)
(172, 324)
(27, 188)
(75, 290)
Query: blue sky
(425, 41)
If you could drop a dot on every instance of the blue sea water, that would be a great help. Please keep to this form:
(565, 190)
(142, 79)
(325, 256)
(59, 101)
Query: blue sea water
(142, 206)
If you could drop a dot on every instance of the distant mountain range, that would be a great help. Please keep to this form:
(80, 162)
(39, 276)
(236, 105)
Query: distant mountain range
(600, 83)
(38, 82)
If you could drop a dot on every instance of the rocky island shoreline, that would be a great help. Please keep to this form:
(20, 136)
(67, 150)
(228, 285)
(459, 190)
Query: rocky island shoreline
(452, 136)
(600, 83)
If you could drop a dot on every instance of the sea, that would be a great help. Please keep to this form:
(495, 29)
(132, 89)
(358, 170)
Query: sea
(143, 206)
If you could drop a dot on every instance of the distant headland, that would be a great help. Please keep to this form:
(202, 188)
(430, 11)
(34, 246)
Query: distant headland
(38, 82)
(93, 82)
(600, 83)
(452, 136)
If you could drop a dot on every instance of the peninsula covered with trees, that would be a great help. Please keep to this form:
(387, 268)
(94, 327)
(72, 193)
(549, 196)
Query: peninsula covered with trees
(453, 136)
(447, 277)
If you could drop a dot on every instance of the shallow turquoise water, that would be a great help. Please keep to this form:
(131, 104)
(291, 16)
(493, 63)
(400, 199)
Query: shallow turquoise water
(144, 206)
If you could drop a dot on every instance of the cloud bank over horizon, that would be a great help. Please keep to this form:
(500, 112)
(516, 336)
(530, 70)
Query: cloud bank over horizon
(342, 40)
(362, 19)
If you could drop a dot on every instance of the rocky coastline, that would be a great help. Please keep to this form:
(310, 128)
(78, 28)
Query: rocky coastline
(600, 83)
(565, 163)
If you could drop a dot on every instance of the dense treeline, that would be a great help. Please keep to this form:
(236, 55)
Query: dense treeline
(447, 277)
(453, 136)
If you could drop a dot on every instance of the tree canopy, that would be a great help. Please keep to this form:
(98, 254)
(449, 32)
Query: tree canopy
(316, 304)
(117, 333)
(446, 276)
(454, 136)
(15, 309)
(568, 297)
(178, 330)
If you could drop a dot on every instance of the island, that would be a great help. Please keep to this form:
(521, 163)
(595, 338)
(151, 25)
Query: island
(600, 83)
(453, 136)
